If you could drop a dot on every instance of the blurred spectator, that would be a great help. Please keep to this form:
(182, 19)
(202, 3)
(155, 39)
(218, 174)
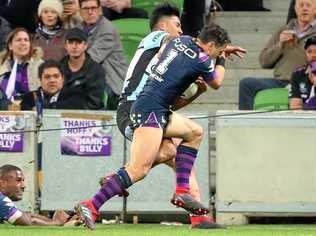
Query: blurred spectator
(4, 31)
(193, 16)
(104, 47)
(51, 94)
(50, 33)
(117, 9)
(291, 14)
(82, 74)
(242, 5)
(71, 15)
(302, 89)
(20, 13)
(284, 52)
(19, 64)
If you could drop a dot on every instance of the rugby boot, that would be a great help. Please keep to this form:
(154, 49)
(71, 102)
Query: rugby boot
(187, 202)
(207, 225)
(88, 213)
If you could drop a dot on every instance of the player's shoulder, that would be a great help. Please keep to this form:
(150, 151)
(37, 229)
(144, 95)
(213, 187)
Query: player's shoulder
(4, 200)
(153, 39)
(2, 196)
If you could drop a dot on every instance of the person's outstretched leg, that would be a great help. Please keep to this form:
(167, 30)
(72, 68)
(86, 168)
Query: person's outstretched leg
(144, 149)
(191, 135)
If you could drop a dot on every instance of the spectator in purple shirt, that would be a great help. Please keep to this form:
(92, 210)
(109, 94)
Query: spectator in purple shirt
(19, 64)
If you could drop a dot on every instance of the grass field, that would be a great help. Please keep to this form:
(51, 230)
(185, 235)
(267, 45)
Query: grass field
(158, 230)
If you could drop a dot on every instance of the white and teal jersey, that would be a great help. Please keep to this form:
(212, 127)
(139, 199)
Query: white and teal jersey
(141, 65)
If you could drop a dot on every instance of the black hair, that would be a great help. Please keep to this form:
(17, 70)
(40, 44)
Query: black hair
(310, 41)
(215, 33)
(162, 10)
(49, 64)
(6, 169)
(81, 1)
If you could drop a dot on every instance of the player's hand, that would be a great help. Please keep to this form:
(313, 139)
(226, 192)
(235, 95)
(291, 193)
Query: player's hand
(230, 50)
(75, 220)
(202, 85)
(60, 216)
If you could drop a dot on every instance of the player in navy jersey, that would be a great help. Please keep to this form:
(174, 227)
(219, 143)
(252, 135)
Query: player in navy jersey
(183, 59)
(11, 189)
(164, 24)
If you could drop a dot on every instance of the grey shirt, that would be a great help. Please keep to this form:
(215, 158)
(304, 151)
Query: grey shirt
(105, 47)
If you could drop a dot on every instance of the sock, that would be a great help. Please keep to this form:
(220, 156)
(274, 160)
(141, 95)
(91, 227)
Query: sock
(184, 163)
(196, 219)
(115, 185)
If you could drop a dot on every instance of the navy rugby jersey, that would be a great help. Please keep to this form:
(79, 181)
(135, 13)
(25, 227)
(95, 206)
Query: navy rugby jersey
(179, 65)
(8, 211)
(141, 64)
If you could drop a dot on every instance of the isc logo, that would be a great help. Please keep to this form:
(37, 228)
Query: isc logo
(183, 48)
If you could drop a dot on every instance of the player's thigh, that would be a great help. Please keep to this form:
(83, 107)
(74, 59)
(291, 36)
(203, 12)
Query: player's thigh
(145, 146)
(181, 127)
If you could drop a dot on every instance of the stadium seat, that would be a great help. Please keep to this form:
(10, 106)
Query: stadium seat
(276, 98)
(149, 5)
(132, 31)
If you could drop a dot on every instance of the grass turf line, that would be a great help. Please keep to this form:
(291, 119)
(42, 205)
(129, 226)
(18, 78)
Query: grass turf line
(160, 230)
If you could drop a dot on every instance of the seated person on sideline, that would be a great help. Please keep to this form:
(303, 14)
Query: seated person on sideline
(303, 82)
(104, 46)
(117, 9)
(83, 75)
(11, 190)
(284, 52)
(51, 94)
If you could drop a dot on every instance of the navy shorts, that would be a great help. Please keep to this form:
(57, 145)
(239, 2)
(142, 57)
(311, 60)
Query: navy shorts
(148, 113)
(123, 120)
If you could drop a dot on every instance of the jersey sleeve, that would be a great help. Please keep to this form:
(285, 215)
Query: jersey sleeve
(294, 90)
(8, 211)
(207, 67)
(153, 40)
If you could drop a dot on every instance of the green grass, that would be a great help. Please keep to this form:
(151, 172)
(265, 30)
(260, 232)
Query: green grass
(160, 230)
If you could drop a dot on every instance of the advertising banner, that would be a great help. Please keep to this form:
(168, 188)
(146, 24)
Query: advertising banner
(11, 133)
(86, 136)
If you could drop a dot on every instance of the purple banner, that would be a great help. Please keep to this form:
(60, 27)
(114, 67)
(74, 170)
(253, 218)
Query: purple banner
(86, 146)
(11, 140)
(85, 138)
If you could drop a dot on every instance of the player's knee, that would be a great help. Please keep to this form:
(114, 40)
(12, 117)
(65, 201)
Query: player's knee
(197, 132)
(167, 152)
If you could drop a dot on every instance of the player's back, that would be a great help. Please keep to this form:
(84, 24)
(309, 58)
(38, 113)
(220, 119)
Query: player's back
(140, 66)
(179, 65)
